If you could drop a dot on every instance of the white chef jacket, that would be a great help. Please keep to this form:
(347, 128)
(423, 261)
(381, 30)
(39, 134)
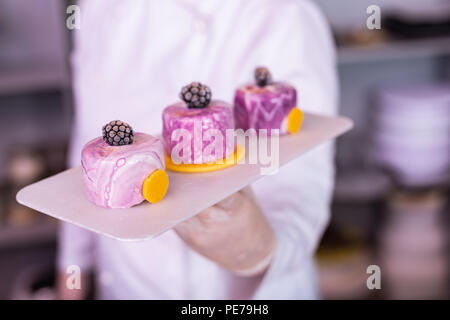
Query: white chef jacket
(130, 60)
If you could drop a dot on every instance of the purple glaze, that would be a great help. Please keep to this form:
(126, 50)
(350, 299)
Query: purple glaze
(113, 175)
(264, 107)
(198, 122)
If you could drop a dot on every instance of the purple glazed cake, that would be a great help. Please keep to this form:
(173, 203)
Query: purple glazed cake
(267, 105)
(200, 120)
(123, 168)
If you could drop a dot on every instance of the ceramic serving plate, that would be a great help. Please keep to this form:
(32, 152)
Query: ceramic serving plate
(62, 196)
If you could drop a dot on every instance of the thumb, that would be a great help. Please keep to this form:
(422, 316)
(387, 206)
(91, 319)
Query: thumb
(233, 200)
(227, 203)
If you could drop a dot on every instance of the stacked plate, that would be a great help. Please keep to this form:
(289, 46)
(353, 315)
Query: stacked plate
(413, 247)
(412, 133)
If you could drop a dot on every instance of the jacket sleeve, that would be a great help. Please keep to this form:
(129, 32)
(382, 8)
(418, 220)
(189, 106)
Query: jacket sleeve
(298, 48)
(75, 247)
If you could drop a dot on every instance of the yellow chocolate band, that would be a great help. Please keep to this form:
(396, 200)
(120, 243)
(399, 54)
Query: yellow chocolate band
(155, 186)
(238, 155)
(294, 120)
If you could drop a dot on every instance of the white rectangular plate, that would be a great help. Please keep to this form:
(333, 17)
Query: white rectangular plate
(62, 196)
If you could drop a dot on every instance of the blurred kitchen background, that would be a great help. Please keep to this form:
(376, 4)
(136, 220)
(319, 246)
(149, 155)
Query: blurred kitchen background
(391, 204)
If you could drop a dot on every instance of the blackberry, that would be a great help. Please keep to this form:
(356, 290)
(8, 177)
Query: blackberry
(117, 133)
(262, 76)
(196, 95)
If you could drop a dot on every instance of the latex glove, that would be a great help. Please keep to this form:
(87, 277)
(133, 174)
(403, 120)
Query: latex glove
(234, 233)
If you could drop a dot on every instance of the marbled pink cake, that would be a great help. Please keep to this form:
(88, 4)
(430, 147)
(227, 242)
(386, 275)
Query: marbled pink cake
(265, 107)
(217, 115)
(113, 175)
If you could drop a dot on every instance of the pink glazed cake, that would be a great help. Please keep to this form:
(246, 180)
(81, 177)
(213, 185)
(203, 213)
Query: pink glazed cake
(267, 105)
(123, 168)
(199, 117)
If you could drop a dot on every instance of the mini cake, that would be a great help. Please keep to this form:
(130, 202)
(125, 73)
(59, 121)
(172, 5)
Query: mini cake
(123, 168)
(203, 122)
(267, 105)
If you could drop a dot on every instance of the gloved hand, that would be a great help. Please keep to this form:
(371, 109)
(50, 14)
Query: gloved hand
(234, 233)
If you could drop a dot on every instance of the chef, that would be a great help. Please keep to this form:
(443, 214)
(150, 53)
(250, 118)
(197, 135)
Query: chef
(130, 60)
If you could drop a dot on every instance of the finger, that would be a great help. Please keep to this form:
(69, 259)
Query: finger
(213, 216)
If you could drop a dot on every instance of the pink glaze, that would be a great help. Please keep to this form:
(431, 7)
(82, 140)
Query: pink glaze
(113, 175)
(217, 116)
(264, 107)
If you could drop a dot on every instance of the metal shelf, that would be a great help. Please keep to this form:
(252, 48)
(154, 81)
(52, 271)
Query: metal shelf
(33, 235)
(394, 50)
(25, 79)
(352, 186)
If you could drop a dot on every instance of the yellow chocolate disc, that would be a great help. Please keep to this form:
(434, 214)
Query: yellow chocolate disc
(238, 154)
(294, 121)
(155, 186)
